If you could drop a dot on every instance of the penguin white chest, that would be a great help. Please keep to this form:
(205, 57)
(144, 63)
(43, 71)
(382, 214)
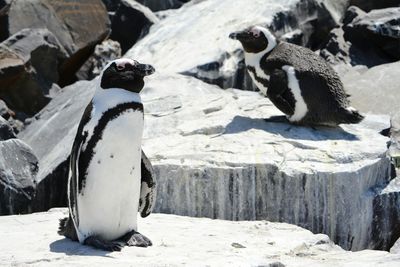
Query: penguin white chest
(108, 202)
(253, 61)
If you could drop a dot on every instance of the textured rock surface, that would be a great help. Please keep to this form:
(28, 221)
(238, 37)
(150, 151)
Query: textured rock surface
(78, 25)
(216, 157)
(103, 53)
(131, 22)
(6, 131)
(29, 61)
(377, 30)
(182, 241)
(51, 133)
(18, 169)
(367, 5)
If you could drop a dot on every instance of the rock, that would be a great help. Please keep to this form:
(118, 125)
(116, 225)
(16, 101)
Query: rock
(105, 52)
(51, 133)
(131, 22)
(282, 244)
(5, 112)
(369, 88)
(368, 39)
(78, 25)
(377, 30)
(386, 228)
(351, 13)
(6, 131)
(396, 247)
(368, 5)
(337, 50)
(18, 169)
(28, 66)
(194, 41)
(158, 5)
(216, 157)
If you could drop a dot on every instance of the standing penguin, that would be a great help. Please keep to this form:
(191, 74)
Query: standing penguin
(296, 80)
(110, 178)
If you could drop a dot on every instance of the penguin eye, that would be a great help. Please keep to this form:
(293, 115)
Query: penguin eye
(120, 67)
(255, 32)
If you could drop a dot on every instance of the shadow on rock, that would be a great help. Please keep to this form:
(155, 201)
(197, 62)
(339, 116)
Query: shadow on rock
(242, 124)
(69, 247)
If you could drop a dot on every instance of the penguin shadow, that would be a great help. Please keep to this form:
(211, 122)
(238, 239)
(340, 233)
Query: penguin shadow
(69, 247)
(287, 130)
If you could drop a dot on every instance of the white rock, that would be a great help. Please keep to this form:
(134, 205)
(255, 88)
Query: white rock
(181, 241)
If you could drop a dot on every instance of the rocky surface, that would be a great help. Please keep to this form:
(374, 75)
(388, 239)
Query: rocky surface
(6, 131)
(368, 5)
(368, 39)
(131, 22)
(208, 151)
(32, 240)
(105, 52)
(29, 61)
(78, 25)
(18, 169)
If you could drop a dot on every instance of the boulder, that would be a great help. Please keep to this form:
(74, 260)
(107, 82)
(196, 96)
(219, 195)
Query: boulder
(194, 41)
(18, 169)
(368, 5)
(377, 30)
(6, 131)
(28, 67)
(215, 156)
(105, 52)
(78, 25)
(157, 5)
(130, 23)
(217, 243)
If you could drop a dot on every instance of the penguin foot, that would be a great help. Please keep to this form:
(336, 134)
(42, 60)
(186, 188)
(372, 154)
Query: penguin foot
(277, 119)
(136, 239)
(99, 243)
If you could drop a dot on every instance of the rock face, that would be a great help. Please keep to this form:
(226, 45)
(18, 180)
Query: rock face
(103, 53)
(365, 38)
(78, 25)
(28, 67)
(51, 133)
(131, 22)
(368, 5)
(216, 157)
(218, 243)
(18, 169)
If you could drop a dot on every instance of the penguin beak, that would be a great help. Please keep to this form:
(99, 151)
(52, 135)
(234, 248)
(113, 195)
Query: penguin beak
(144, 69)
(240, 35)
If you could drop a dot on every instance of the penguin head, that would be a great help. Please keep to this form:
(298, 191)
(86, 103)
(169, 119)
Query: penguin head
(255, 39)
(125, 73)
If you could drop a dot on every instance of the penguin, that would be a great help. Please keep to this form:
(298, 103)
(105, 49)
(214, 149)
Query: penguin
(110, 178)
(296, 80)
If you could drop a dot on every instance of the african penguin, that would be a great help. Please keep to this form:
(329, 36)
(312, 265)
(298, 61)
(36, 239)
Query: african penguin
(296, 80)
(110, 177)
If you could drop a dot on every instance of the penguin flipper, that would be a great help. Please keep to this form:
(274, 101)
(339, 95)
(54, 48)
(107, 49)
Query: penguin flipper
(279, 93)
(148, 187)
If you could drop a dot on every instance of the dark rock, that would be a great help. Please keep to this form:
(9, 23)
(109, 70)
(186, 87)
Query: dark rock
(18, 169)
(52, 139)
(28, 66)
(368, 5)
(6, 131)
(130, 23)
(386, 227)
(352, 13)
(377, 30)
(78, 25)
(153, 5)
(103, 53)
(5, 112)
(157, 5)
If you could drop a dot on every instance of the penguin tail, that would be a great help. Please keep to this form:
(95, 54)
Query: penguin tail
(350, 115)
(66, 228)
